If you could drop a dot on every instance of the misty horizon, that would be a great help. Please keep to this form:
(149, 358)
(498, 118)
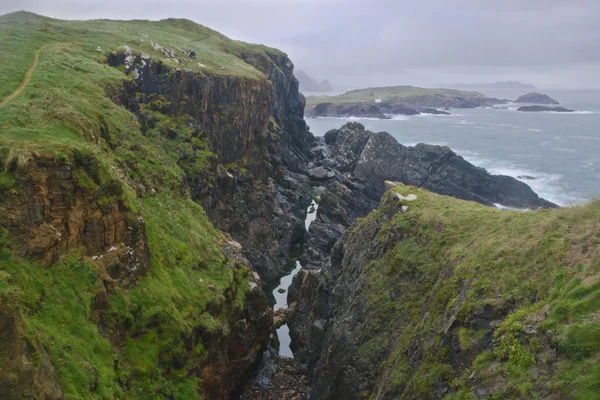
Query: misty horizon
(546, 44)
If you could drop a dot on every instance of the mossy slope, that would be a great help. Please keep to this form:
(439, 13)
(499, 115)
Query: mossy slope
(151, 337)
(451, 299)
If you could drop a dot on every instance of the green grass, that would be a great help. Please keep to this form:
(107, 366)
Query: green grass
(64, 116)
(65, 104)
(451, 257)
(388, 94)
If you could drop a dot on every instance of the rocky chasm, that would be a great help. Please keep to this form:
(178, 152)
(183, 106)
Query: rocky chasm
(136, 239)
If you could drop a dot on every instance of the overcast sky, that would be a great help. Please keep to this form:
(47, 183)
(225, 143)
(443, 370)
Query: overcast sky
(356, 43)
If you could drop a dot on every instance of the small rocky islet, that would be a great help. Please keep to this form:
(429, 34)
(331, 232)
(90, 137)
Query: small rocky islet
(537, 108)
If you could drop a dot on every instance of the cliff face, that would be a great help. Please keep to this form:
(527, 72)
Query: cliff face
(256, 190)
(431, 297)
(48, 218)
(142, 189)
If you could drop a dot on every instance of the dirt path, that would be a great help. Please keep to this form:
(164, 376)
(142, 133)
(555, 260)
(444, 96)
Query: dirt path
(23, 85)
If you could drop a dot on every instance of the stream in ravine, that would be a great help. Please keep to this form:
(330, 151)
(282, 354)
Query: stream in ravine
(280, 292)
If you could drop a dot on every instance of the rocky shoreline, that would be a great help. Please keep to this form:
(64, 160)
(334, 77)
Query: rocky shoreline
(418, 104)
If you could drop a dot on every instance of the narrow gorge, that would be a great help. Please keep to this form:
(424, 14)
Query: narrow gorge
(159, 181)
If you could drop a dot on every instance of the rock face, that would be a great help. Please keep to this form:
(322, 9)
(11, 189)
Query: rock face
(376, 157)
(51, 215)
(256, 125)
(355, 163)
(536, 98)
(542, 108)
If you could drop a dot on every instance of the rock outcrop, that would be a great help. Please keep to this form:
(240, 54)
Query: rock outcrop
(542, 108)
(536, 98)
(356, 163)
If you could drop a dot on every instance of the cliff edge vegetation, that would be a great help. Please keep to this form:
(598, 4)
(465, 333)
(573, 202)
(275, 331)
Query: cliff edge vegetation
(433, 297)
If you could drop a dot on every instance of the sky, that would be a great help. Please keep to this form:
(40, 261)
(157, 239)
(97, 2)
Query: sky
(359, 43)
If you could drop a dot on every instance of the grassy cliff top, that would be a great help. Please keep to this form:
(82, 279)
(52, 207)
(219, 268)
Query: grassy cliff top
(55, 112)
(23, 33)
(389, 93)
(537, 273)
(54, 75)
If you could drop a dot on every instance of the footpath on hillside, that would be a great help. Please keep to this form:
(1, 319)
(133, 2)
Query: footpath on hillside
(26, 79)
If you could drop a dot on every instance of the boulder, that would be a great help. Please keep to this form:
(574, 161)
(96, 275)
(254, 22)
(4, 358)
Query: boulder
(319, 173)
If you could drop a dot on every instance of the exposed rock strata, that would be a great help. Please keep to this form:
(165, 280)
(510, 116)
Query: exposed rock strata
(257, 125)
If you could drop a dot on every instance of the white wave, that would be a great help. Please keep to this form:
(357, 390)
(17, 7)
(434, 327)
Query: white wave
(465, 153)
(413, 144)
(565, 150)
(588, 164)
(569, 113)
(501, 207)
(427, 115)
(548, 186)
(394, 117)
(352, 118)
(534, 130)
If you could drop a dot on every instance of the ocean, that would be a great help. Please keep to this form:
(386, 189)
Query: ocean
(560, 151)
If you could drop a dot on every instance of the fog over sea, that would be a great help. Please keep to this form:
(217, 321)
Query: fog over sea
(560, 151)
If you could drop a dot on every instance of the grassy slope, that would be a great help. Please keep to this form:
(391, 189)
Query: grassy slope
(520, 260)
(64, 114)
(388, 93)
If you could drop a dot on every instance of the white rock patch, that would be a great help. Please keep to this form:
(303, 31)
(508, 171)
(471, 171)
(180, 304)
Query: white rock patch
(410, 197)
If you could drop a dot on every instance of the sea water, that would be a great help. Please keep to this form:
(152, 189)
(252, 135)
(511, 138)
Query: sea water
(560, 151)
